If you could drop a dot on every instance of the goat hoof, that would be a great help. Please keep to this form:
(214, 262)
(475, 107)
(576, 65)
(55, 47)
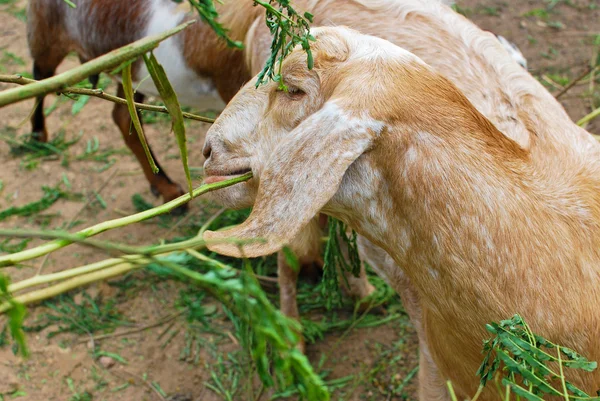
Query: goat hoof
(39, 136)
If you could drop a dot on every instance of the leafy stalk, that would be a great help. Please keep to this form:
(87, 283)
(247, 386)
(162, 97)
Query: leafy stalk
(135, 118)
(288, 29)
(19, 257)
(341, 254)
(169, 96)
(208, 13)
(525, 357)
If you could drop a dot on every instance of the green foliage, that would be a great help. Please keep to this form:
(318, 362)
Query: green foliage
(291, 259)
(526, 357)
(86, 317)
(10, 59)
(466, 11)
(337, 260)
(208, 13)
(70, 3)
(140, 204)
(76, 395)
(16, 316)
(79, 101)
(8, 246)
(93, 153)
(51, 195)
(288, 29)
(137, 125)
(32, 151)
(540, 13)
(82, 100)
(153, 117)
(172, 104)
(272, 337)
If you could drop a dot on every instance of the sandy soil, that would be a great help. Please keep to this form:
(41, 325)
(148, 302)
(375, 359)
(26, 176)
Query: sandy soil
(558, 45)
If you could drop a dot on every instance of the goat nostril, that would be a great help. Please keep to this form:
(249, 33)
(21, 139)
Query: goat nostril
(207, 150)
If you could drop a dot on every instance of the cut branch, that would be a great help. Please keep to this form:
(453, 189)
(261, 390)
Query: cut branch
(18, 257)
(96, 66)
(99, 93)
(594, 114)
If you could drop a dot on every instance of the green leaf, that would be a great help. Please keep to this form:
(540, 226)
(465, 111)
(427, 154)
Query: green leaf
(521, 391)
(208, 13)
(128, 89)
(288, 29)
(516, 367)
(291, 259)
(169, 96)
(112, 355)
(51, 195)
(79, 104)
(16, 315)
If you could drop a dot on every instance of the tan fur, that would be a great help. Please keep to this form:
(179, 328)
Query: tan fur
(479, 223)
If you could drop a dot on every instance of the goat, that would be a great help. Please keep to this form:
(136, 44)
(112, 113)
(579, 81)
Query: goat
(198, 64)
(480, 224)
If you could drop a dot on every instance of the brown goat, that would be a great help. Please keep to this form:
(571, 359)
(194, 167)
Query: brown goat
(197, 63)
(482, 226)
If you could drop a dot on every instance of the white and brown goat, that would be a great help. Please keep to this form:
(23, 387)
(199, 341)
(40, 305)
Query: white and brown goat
(198, 63)
(482, 226)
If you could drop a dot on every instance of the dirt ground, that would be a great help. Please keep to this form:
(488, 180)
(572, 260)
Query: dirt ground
(557, 38)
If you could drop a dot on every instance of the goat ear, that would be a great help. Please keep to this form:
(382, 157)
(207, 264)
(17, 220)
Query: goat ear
(299, 179)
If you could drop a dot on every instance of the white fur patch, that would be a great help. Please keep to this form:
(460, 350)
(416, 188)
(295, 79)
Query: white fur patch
(190, 88)
(513, 50)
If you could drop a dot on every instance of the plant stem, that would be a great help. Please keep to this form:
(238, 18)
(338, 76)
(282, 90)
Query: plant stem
(18, 257)
(571, 84)
(594, 114)
(96, 66)
(40, 295)
(451, 391)
(66, 274)
(99, 93)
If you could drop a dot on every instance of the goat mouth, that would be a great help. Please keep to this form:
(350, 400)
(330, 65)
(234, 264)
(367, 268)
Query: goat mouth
(213, 177)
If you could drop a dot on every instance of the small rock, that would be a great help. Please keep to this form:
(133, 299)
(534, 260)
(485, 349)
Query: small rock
(106, 362)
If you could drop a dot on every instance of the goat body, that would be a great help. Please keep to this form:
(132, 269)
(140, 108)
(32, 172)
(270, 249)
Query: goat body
(478, 223)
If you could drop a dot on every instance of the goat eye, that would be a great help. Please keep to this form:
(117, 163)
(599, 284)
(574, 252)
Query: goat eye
(294, 93)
